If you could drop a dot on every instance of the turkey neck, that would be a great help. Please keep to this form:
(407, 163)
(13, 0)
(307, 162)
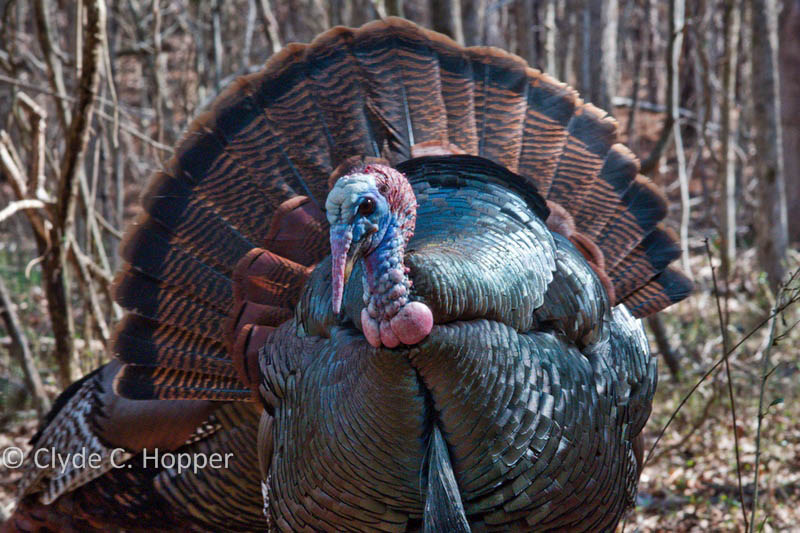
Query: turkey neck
(386, 276)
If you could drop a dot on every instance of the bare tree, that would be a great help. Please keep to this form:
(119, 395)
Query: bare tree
(525, 22)
(396, 8)
(771, 219)
(789, 64)
(549, 28)
(674, 46)
(446, 17)
(601, 54)
(731, 23)
(474, 21)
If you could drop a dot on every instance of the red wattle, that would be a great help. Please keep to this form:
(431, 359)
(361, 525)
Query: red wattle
(412, 323)
(370, 328)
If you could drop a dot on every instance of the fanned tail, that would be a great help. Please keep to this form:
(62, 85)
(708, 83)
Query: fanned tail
(233, 225)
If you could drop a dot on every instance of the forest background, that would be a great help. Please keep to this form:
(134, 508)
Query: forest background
(94, 94)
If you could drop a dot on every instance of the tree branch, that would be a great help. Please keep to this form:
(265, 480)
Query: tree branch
(78, 134)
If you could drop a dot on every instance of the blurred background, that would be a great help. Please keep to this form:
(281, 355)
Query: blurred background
(94, 94)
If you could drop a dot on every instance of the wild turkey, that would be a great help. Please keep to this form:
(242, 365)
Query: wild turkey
(469, 358)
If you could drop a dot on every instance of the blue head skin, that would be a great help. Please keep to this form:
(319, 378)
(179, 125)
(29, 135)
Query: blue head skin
(359, 216)
(372, 213)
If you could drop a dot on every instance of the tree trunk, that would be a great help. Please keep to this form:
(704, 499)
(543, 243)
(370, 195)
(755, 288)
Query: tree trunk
(270, 23)
(493, 26)
(446, 15)
(600, 23)
(474, 17)
(771, 217)
(677, 9)
(663, 345)
(548, 61)
(22, 352)
(395, 8)
(582, 56)
(568, 21)
(653, 52)
(789, 64)
(731, 24)
(525, 19)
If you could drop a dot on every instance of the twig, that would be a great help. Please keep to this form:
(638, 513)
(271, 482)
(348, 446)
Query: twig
(127, 109)
(270, 24)
(107, 225)
(112, 88)
(248, 33)
(157, 63)
(219, 53)
(14, 174)
(54, 72)
(725, 344)
(79, 260)
(765, 373)
(105, 116)
(12, 167)
(779, 309)
(78, 134)
(136, 133)
(19, 205)
(683, 179)
(38, 118)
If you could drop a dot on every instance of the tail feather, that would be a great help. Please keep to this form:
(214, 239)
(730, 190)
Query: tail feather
(267, 176)
(550, 108)
(167, 305)
(591, 134)
(339, 90)
(386, 94)
(458, 92)
(142, 341)
(198, 228)
(667, 288)
(645, 207)
(645, 262)
(418, 68)
(604, 203)
(299, 126)
(139, 382)
(503, 84)
(150, 252)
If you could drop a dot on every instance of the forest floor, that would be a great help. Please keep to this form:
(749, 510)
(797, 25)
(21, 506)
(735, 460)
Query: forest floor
(691, 484)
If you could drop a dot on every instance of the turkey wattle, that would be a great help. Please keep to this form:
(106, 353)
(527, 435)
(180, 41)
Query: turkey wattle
(421, 264)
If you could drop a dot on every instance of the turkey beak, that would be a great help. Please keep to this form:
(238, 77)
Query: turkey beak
(342, 260)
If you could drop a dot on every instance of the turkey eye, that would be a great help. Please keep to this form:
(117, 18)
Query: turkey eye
(367, 207)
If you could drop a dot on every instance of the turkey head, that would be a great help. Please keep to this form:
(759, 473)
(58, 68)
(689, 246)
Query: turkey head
(372, 212)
